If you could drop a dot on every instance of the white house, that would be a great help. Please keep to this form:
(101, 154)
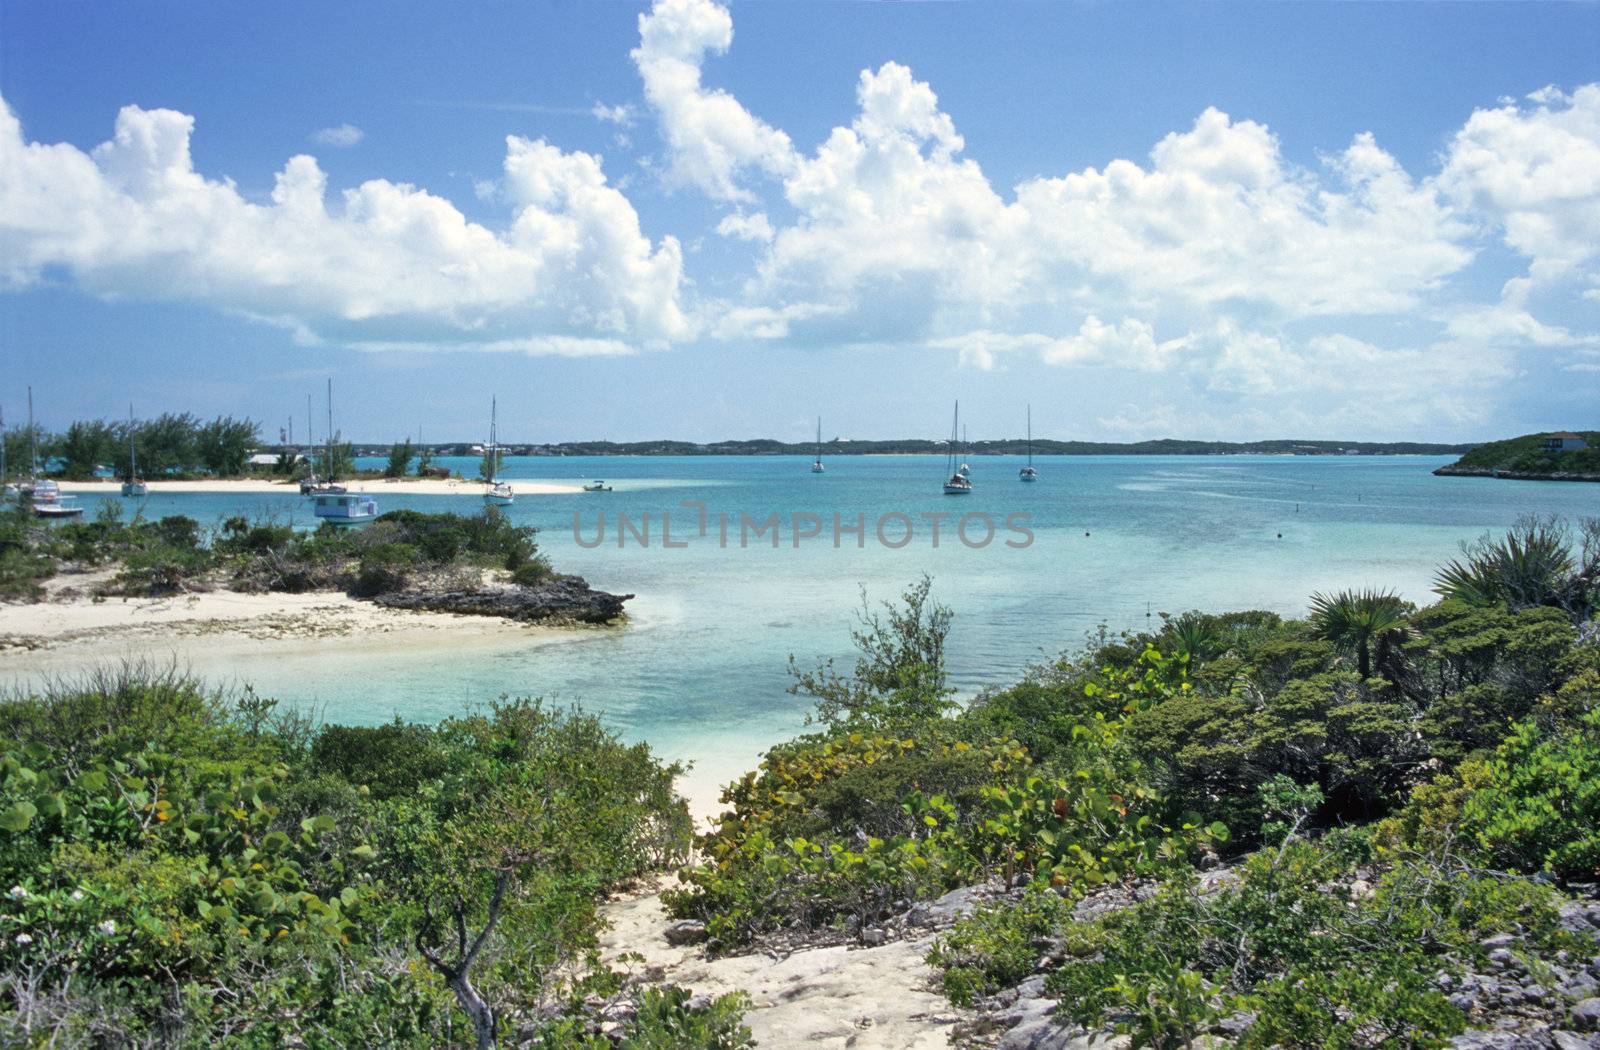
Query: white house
(1565, 441)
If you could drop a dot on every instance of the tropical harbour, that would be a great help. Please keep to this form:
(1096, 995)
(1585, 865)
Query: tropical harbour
(1116, 540)
(681, 525)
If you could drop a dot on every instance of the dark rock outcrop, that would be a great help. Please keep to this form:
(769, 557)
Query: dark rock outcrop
(559, 600)
(1453, 470)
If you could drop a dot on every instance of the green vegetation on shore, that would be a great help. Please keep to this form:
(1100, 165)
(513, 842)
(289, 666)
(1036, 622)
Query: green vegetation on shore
(1526, 457)
(174, 554)
(1393, 788)
(186, 872)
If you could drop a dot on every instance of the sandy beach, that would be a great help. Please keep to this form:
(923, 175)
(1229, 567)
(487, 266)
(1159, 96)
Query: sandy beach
(72, 632)
(374, 486)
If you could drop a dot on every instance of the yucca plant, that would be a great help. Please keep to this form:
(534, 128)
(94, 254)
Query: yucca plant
(1356, 621)
(1536, 563)
(1195, 637)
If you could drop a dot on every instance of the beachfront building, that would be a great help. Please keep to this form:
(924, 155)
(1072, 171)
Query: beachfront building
(1565, 441)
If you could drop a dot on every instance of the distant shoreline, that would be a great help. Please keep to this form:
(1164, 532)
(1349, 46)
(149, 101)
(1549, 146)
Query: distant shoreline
(921, 447)
(375, 487)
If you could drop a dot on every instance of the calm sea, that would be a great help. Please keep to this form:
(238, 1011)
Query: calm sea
(700, 670)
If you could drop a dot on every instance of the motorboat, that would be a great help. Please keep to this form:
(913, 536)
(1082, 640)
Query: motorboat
(344, 508)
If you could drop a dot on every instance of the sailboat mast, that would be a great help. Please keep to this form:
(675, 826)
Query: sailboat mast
(330, 428)
(33, 440)
(133, 449)
(954, 455)
(1030, 435)
(819, 439)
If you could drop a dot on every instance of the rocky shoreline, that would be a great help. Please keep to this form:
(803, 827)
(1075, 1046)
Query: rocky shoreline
(559, 601)
(1454, 471)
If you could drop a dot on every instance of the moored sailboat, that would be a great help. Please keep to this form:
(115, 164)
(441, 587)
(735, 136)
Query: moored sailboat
(133, 485)
(498, 493)
(958, 483)
(816, 464)
(1027, 473)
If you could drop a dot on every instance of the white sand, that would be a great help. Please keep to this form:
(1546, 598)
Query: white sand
(72, 633)
(858, 998)
(399, 487)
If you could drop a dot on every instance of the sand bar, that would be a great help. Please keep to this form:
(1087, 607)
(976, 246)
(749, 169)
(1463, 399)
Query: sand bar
(371, 486)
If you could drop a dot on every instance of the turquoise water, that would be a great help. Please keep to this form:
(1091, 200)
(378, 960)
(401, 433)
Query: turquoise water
(700, 669)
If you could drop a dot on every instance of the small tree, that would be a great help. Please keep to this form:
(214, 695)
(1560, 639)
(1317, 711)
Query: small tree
(223, 445)
(400, 455)
(899, 674)
(86, 445)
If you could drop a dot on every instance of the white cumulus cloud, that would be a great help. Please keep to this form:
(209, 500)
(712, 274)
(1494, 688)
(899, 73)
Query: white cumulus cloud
(1534, 172)
(711, 139)
(379, 263)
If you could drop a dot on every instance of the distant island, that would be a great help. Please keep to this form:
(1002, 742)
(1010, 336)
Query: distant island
(1559, 456)
(922, 446)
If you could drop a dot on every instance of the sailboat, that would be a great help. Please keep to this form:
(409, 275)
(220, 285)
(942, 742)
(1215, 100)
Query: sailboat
(44, 494)
(134, 486)
(499, 493)
(964, 470)
(1027, 473)
(308, 484)
(331, 502)
(816, 464)
(959, 484)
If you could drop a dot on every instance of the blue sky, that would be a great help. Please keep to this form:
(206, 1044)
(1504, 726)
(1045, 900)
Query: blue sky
(1227, 221)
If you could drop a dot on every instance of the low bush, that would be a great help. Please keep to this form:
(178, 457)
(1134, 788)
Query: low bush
(185, 871)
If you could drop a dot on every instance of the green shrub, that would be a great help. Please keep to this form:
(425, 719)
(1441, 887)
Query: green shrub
(162, 843)
(997, 947)
(1537, 807)
(384, 569)
(389, 760)
(533, 572)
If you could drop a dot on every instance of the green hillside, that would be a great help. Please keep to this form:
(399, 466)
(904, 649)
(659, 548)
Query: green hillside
(1526, 456)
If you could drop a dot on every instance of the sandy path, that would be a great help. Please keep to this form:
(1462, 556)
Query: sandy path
(860, 998)
(405, 487)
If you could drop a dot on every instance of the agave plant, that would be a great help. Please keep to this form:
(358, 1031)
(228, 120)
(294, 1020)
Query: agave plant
(1536, 563)
(1355, 621)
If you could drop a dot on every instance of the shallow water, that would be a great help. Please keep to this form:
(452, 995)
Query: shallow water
(700, 671)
